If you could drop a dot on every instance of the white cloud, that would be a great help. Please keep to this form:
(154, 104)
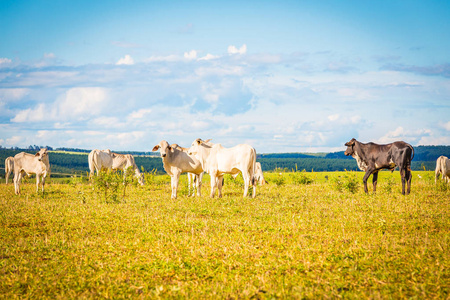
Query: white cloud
(7, 95)
(127, 60)
(32, 115)
(108, 122)
(446, 126)
(233, 50)
(411, 136)
(139, 114)
(208, 57)
(82, 101)
(14, 141)
(49, 55)
(333, 117)
(76, 103)
(5, 61)
(190, 55)
(168, 58)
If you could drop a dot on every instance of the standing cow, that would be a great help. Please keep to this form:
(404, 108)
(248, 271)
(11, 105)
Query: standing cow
(25, 163)
(9, 167)
(217, 161)
(176, 161)
(372, 158)
(105, 159)
(442, 167)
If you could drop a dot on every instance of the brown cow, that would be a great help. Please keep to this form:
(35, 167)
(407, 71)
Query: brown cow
(372, 158)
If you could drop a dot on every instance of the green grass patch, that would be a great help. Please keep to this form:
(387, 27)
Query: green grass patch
(294, 240)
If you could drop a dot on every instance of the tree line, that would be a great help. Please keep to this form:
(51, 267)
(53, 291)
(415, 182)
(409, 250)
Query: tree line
(69, 163)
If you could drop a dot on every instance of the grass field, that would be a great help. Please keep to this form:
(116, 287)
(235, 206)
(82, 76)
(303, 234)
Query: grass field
(294, 240)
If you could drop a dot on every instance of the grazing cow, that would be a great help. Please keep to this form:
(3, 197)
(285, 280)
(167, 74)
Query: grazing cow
(217, 161)
(176, 161)
(107, 160)
(372, 158)
(25, 163)
(259, 176)
(9, 167)
(442, 167)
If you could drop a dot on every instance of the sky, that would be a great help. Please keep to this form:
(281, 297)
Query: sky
(282, 76)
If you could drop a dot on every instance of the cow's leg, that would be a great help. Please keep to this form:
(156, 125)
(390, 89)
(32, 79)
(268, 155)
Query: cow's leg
(198, 184)
(403, 175)
(408, 180)
(17, 178)
(43, 182)
(374, 181)
(191, 182)
(254, 182)
(365, 178)
(174, 179)
(219, 185)
(38, 176)
(214, 181)
(246, 177)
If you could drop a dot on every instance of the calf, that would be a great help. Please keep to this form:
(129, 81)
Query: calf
(25, 163)
(176, 161)
(442, 167)
(372, 158)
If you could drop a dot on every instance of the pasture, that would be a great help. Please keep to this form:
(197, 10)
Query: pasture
(305, 236)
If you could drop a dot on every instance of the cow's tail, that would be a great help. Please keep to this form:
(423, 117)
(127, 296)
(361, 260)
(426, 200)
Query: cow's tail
(408, 167)
(253, 178)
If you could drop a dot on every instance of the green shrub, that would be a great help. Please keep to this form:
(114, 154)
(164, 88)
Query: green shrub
(301, 178)
(348, 182)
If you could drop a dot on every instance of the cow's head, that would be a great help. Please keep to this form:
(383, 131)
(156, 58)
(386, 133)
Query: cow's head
(350, 151)
(163, 147)
(197, 143)
(41, 154)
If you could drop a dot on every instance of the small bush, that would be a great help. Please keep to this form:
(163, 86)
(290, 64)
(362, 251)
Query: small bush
(278, 179)
(301, 178)
(348, 182)
(107, 183)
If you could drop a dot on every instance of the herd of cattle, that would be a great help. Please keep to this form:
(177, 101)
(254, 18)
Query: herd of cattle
(216, 160)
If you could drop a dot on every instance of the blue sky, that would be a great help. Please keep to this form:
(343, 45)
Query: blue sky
(282, 76)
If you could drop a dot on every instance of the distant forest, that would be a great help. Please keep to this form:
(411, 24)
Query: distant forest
(75, 160)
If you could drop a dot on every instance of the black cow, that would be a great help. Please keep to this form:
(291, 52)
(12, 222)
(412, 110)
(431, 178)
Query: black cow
(372, 158)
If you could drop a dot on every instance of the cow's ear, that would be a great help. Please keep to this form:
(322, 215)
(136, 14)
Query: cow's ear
(208, 140)
(37, 154)
(155, 148)
(169, 148)
(351, 143)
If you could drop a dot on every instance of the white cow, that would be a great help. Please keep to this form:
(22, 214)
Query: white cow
(442, 167)
(259, 176)
(9, 167)
(217, 161)
(176, 161)
(25, 163)
(107, 160)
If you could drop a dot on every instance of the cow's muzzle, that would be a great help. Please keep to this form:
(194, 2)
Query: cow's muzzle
(163, 155)
(346, 153)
